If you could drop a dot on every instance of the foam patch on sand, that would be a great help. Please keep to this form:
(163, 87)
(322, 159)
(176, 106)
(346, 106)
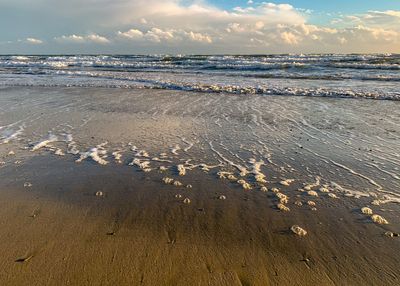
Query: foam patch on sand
(309, 187)
(283, 208)
(177, 183)
(117, 156)
(143, 164)
(202, 166)
(27, 185)
(245, 185)
(171, 181)
(167, 180)
(163, 169)
(312, 193)
(97, 154)
(367, 211)
(181, 170)
(282, 198)
(227, 175)
(138, 152)
(205, 167)
(333, 196)
(324, 189)
(298, 230)
(379, 219)
(156, 159)
(286, 182)
(45, 143)
(275, 190)
(256, 170)
(224, 174)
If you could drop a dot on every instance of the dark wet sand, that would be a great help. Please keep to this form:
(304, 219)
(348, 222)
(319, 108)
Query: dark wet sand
(138, 233)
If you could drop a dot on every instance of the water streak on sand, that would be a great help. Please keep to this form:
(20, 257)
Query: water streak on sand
(9, 135)
(371, 181)
(243, 170)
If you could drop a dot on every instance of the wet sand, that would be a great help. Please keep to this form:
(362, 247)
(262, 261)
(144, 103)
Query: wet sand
(137, 230)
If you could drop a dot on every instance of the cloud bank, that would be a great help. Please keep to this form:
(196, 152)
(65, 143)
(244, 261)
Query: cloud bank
(170, 26)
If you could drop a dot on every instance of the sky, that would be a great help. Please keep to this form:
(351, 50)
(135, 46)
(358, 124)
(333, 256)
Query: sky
(199, 26)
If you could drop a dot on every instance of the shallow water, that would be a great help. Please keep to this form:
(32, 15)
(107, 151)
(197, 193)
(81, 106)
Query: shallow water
(350, 145)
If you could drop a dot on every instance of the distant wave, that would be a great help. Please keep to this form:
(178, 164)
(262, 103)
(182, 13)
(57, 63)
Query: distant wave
(389, 62)
(262, 73)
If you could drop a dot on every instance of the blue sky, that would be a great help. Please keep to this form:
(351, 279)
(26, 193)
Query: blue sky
(345, 6)
(199, 26)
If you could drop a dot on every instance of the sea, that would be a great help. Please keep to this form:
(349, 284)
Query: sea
(368, 76)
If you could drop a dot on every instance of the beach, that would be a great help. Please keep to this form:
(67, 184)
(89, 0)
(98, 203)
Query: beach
(139, 186)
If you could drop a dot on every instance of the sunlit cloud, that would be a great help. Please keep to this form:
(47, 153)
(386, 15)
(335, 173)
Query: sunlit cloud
(92, 38)
(158, 35)
(34, 41)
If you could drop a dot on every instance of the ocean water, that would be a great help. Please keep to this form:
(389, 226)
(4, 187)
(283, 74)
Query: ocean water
(374, 76)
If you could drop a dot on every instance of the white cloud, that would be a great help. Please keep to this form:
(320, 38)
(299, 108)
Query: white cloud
(198, 37)
(131, 34)
(378, 34)
(158, 35)
(92, 38)
(70, 38)
(97, 39)
(34, 41)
